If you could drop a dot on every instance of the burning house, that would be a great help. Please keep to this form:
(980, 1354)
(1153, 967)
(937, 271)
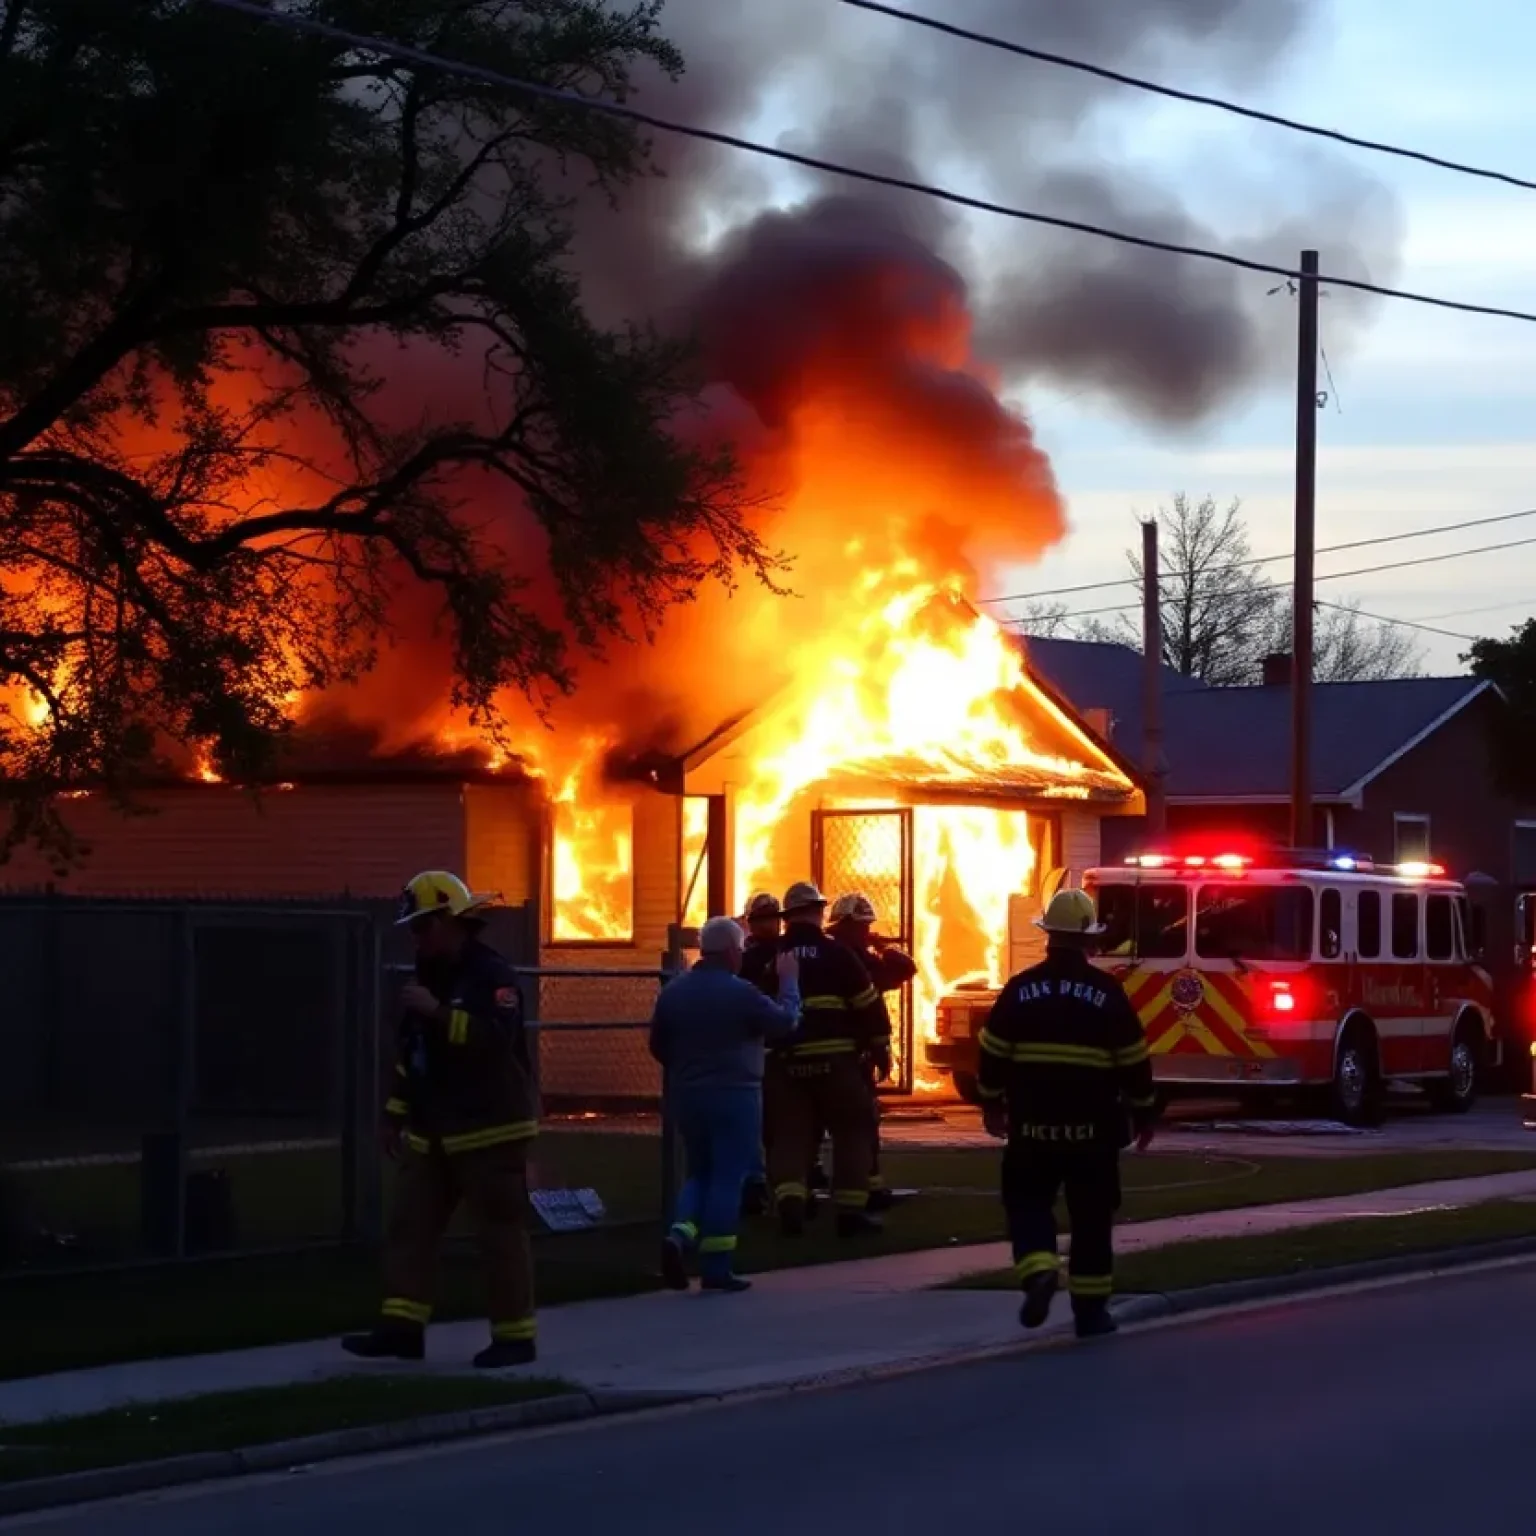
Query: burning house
(930, 771)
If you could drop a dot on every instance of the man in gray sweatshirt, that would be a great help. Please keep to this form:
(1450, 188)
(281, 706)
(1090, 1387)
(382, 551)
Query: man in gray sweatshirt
(709, 1030)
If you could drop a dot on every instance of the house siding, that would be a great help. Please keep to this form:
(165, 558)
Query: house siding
(583, 1065)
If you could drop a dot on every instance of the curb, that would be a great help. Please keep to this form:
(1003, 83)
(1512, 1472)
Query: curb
(292, 1455)
(574, 1407)
(1147, 1306)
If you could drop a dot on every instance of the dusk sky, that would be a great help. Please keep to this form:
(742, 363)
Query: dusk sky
(1429, 411)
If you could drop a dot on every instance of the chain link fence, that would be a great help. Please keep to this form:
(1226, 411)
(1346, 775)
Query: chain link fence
(189, 1080)
(181, 1078)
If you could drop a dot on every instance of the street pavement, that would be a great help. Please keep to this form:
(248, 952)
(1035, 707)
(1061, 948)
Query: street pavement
(1399, 1409)
(796, 1325)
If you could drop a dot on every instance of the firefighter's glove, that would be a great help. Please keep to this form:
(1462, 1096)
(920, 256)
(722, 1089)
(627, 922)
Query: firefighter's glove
(994, 1116)
(880, 1058)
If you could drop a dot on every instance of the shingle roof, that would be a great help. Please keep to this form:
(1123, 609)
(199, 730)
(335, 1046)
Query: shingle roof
(1234, 743)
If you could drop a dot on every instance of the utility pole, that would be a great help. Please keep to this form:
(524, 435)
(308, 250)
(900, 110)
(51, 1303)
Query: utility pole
(1306, 540)
(1152, 759)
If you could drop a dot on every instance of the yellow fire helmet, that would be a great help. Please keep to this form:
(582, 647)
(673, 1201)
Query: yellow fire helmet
(435, 890)
(1070, 912)
(855, 905)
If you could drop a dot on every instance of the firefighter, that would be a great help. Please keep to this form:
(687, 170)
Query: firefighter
(460, 1120)
(853, 923)
(763, 923)
(1065, 1076)
(819, 1082)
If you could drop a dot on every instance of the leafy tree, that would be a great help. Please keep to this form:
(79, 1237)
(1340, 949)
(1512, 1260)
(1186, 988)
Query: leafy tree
(219, 239)
(1510, 665)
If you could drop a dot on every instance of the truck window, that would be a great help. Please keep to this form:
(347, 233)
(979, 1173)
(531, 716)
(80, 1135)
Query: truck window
(1439, 929)
(1254, 922)
(1368, 925)
(1330, 925)
(1405, 925)
(1145, 922)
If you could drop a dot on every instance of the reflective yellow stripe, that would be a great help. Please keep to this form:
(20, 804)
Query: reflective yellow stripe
(458, 1027)
(1146, 1103)
(1132, 1055)
(823, 1001)
(823, 1048)
(1053, 1055)
(510, 1333)
(1091, 1285)
(994, 1046)
(865, 998)
(403, 1310)
(400, 1071)
(876, 1182)
(685, 1230)
(851, 1199)
(492, 1136)
(982, 1091)
(1035, 1264)
(789, 1192)
(396, 1107)
(718, 1245)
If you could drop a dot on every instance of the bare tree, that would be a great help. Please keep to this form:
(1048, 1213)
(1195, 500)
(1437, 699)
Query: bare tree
(1347, 647)
(1221, 616)
(1217, 610)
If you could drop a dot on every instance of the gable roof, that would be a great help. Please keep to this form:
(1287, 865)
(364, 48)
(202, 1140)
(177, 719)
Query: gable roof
(1099, 674)
(1233, 744)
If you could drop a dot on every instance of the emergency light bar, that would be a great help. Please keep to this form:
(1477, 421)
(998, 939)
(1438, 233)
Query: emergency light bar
(1417, 869)
(1189, 861)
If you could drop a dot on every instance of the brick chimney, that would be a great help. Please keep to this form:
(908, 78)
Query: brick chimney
(1277, 671)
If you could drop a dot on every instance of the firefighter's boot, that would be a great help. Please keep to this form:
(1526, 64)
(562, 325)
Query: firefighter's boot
(389, 1341)
(880, 1198)
(503, 1354)
(727, 1285)
(674, 1261)
(1094, 1321)
(858, 1224)
(1039, 1292)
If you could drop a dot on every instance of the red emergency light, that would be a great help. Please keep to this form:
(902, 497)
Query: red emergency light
(1226, 861)
(1286, 999)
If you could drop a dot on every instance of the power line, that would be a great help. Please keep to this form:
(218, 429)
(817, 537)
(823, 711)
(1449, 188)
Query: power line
(1385, 618)
(1327, 549)
(1138, 83)
(1365, 570)
(424, 60)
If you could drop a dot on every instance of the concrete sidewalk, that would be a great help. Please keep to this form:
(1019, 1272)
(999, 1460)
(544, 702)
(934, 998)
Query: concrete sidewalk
(796, 1326)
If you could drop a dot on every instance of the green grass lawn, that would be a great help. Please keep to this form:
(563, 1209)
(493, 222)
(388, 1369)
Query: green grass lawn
(231, 1421)
(1220, 1260)
(67, 1320)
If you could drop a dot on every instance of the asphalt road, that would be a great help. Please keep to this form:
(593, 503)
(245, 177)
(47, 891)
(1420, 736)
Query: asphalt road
(1408, 1409)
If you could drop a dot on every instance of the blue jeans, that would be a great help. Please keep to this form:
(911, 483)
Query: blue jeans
(722, 1131)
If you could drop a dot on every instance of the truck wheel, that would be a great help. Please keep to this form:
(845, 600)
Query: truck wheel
(1356, 1094)
(967, 1088)
(1456, 1092)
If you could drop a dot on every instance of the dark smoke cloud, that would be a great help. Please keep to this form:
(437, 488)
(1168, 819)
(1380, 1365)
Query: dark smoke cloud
(1167, 338)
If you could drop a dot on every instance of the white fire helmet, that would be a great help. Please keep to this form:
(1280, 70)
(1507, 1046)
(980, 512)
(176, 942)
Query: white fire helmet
(855, 905)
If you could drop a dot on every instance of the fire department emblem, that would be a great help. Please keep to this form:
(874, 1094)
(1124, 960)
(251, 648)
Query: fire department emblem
(1187, 992)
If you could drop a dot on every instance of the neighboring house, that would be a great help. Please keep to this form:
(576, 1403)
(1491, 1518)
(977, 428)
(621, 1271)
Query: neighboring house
(1401, 768)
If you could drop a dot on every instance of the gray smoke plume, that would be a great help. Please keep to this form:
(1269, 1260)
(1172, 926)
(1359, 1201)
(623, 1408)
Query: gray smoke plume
(1165, 337)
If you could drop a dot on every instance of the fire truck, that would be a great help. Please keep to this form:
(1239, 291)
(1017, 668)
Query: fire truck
(1321, 974)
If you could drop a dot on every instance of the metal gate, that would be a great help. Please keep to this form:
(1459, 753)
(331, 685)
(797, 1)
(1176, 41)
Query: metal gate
(871, 851)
